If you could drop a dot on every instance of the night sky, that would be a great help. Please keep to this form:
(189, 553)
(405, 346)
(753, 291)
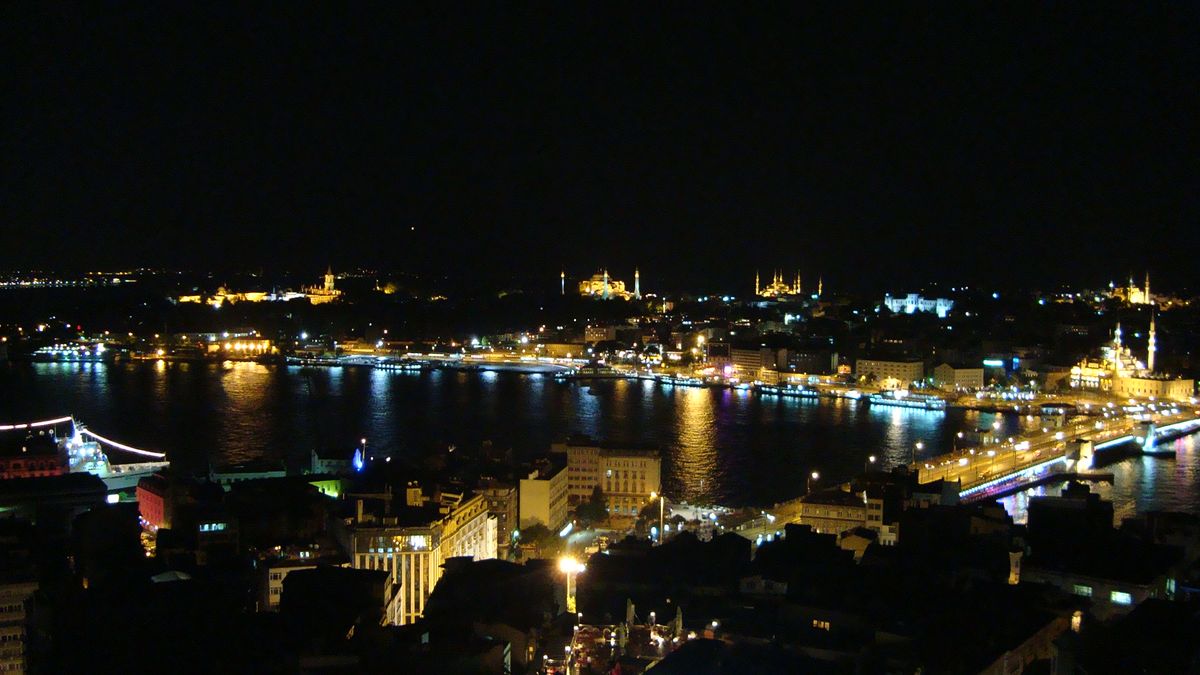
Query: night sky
(885, 146)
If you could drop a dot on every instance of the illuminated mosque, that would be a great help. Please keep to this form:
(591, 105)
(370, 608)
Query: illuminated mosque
(1132, 294)
(603, 287)
(1118, 372)
(779, 288)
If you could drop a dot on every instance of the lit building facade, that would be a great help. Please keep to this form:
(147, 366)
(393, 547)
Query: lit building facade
(625, 476)
(891, 374)
(627, 479)
(748, 362)
(835, 511)
(31, 454)
(319, 295)
(948, 376)
(14, 601)
(913, 303)
(413, 551)
(242, 347)
(275, 573)
(502, 503)
(542, 497)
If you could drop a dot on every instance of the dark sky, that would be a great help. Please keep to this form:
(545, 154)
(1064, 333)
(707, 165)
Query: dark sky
(697, 141)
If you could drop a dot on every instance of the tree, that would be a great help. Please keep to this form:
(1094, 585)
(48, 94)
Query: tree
(547, 543)
(647, 518)
(594, 509)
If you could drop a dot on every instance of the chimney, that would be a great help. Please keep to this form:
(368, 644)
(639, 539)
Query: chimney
(412, 494)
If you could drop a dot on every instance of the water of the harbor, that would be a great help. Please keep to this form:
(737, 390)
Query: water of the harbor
(719, 445)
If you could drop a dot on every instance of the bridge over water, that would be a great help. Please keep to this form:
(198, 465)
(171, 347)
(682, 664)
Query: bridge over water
(984, 471)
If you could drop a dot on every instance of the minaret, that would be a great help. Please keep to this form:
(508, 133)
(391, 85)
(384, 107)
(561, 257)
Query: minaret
(820, 286)
(1152, 345)
(329, 279)
(1117, 337)
(604, 295)
(562, 282)
(637, 284)
(1146, 295)
(799, 288)
(756, 282)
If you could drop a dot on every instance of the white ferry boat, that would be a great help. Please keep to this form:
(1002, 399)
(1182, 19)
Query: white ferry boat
(906, 399)
(83, 450)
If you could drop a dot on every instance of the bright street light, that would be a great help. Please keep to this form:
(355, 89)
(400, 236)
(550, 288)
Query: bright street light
(569, 566)
(661, 499)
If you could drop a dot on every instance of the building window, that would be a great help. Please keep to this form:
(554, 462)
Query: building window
(1120, 598)
(820, 625)
(1082, 590)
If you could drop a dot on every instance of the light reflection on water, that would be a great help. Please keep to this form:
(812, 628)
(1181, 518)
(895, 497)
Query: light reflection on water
(1140, 484)
(730, 446)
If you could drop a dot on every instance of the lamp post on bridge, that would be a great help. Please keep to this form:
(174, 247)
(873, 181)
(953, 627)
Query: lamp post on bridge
(661, 499)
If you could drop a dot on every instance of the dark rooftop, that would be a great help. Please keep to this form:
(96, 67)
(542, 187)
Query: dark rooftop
(18, 443)
(834, 497)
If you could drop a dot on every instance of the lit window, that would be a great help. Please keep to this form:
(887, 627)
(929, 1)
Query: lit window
(820, 625)
(1120, 598)
(1081, 589)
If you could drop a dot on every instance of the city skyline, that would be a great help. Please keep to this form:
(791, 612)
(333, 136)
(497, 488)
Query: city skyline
(599, 339)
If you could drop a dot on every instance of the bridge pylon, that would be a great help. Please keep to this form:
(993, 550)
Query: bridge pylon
(1083, 452)
(1147, 435)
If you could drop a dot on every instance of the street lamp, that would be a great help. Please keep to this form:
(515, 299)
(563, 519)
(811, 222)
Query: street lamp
(920, 445)
(812, 478)
(661, 499)
(570, 567)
